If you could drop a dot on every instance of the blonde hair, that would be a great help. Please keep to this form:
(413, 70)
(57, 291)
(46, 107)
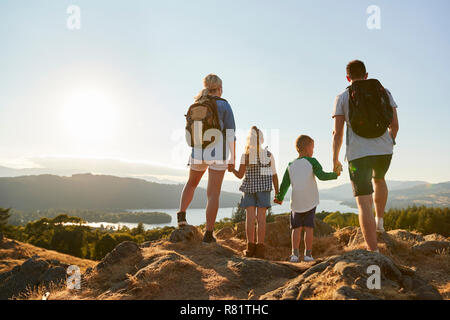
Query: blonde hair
(253, 146)
(211, 83)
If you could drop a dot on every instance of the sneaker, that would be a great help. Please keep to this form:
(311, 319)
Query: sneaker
(308, 259)
(380, 230)
(208, 237)
(181, 218)
(293, 258)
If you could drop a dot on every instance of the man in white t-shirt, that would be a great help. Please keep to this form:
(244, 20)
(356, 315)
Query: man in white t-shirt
(368, 159)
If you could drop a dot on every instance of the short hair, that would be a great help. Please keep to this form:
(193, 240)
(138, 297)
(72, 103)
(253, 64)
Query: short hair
(302, 142)
(356, 69)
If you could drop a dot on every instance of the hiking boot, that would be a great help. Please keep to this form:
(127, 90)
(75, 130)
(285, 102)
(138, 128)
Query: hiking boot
(259, 252)
(293, 258)
(250, 252)
(308, 259)
(181, 217)
(208, 237)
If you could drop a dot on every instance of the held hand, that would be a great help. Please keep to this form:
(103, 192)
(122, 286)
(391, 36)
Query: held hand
(337, 167)
(275, 200)
(231, 167)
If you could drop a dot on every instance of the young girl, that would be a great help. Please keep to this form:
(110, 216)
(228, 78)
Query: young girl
(258, 166)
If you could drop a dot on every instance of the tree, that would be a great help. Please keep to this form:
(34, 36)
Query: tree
(4, 216)
(238, 214)
(105, 245)
(138, 230)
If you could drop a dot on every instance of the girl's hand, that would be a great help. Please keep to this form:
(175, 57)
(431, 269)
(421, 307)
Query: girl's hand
(275, 200)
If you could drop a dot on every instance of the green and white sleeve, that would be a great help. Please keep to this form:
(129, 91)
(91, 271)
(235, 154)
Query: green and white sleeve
(318, 171)
(285, 184)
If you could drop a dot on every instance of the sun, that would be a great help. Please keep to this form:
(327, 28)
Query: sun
(90, 116)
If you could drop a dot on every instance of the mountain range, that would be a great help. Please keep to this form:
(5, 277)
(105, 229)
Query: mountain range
(401, 194)
(88, 191)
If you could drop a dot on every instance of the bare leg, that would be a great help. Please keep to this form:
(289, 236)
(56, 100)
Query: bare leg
(215, 179)
(309, 234)
(250, 224)
(189, 188)
(380, 196)
(261, 217)
(367, 221)
(296, 234)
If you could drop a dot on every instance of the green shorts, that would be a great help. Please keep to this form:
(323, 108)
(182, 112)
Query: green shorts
(362, 171)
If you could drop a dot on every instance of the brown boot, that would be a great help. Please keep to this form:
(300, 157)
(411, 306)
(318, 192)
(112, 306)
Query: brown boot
(259, 253)
(250, 252)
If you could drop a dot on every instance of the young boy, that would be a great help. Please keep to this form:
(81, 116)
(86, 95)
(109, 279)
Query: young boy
(301, 173)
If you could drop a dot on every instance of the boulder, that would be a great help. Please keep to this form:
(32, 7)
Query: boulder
(125, 251)
(185, 233)
(53, 276)
(404, 235)
(253, 272)
(350, 274)
(345, 234)
(356, 239)
(431, 247)
(225, 233)
(435, 237)
(116, 264)
(32, 273)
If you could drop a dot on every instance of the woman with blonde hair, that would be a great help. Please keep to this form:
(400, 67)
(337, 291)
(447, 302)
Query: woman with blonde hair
(258, 167)
(216, 164)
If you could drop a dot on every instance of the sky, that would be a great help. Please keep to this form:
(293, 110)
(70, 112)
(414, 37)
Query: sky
(117, 89)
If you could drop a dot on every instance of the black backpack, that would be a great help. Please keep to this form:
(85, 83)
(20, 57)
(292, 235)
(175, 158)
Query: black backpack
(370, 111)
(202, 114)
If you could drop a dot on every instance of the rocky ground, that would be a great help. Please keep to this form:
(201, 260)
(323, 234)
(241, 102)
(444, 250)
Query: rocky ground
(412, 266)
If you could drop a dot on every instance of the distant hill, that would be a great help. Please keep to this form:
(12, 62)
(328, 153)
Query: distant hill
(345, 192)
(436, 195)
(87, 191)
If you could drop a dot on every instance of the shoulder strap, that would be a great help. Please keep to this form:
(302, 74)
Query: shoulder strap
(217, 98)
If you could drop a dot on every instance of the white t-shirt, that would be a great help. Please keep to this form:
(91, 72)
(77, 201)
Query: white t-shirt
(305, 194)
(359, 147)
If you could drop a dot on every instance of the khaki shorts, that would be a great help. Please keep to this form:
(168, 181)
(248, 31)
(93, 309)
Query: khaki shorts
(202, 165)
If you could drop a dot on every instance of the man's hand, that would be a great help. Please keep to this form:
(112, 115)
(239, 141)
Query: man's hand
(275, 200)
(231, 167)
(337, 167)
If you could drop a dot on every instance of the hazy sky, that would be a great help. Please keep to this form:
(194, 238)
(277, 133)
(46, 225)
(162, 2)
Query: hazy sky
(118, 87)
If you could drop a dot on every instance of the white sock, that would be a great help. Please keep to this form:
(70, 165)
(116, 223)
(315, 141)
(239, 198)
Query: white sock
(380, 223)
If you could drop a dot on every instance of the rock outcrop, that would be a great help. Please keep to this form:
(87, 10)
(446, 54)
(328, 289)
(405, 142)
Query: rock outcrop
(182, 267)
(348, 277)
(33, 273)
(185, 233)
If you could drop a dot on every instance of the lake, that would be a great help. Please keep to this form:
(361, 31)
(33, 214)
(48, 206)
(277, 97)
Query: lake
(197, 216)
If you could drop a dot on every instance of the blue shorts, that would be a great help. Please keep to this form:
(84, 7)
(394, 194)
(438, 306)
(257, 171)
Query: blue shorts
(258, 199)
